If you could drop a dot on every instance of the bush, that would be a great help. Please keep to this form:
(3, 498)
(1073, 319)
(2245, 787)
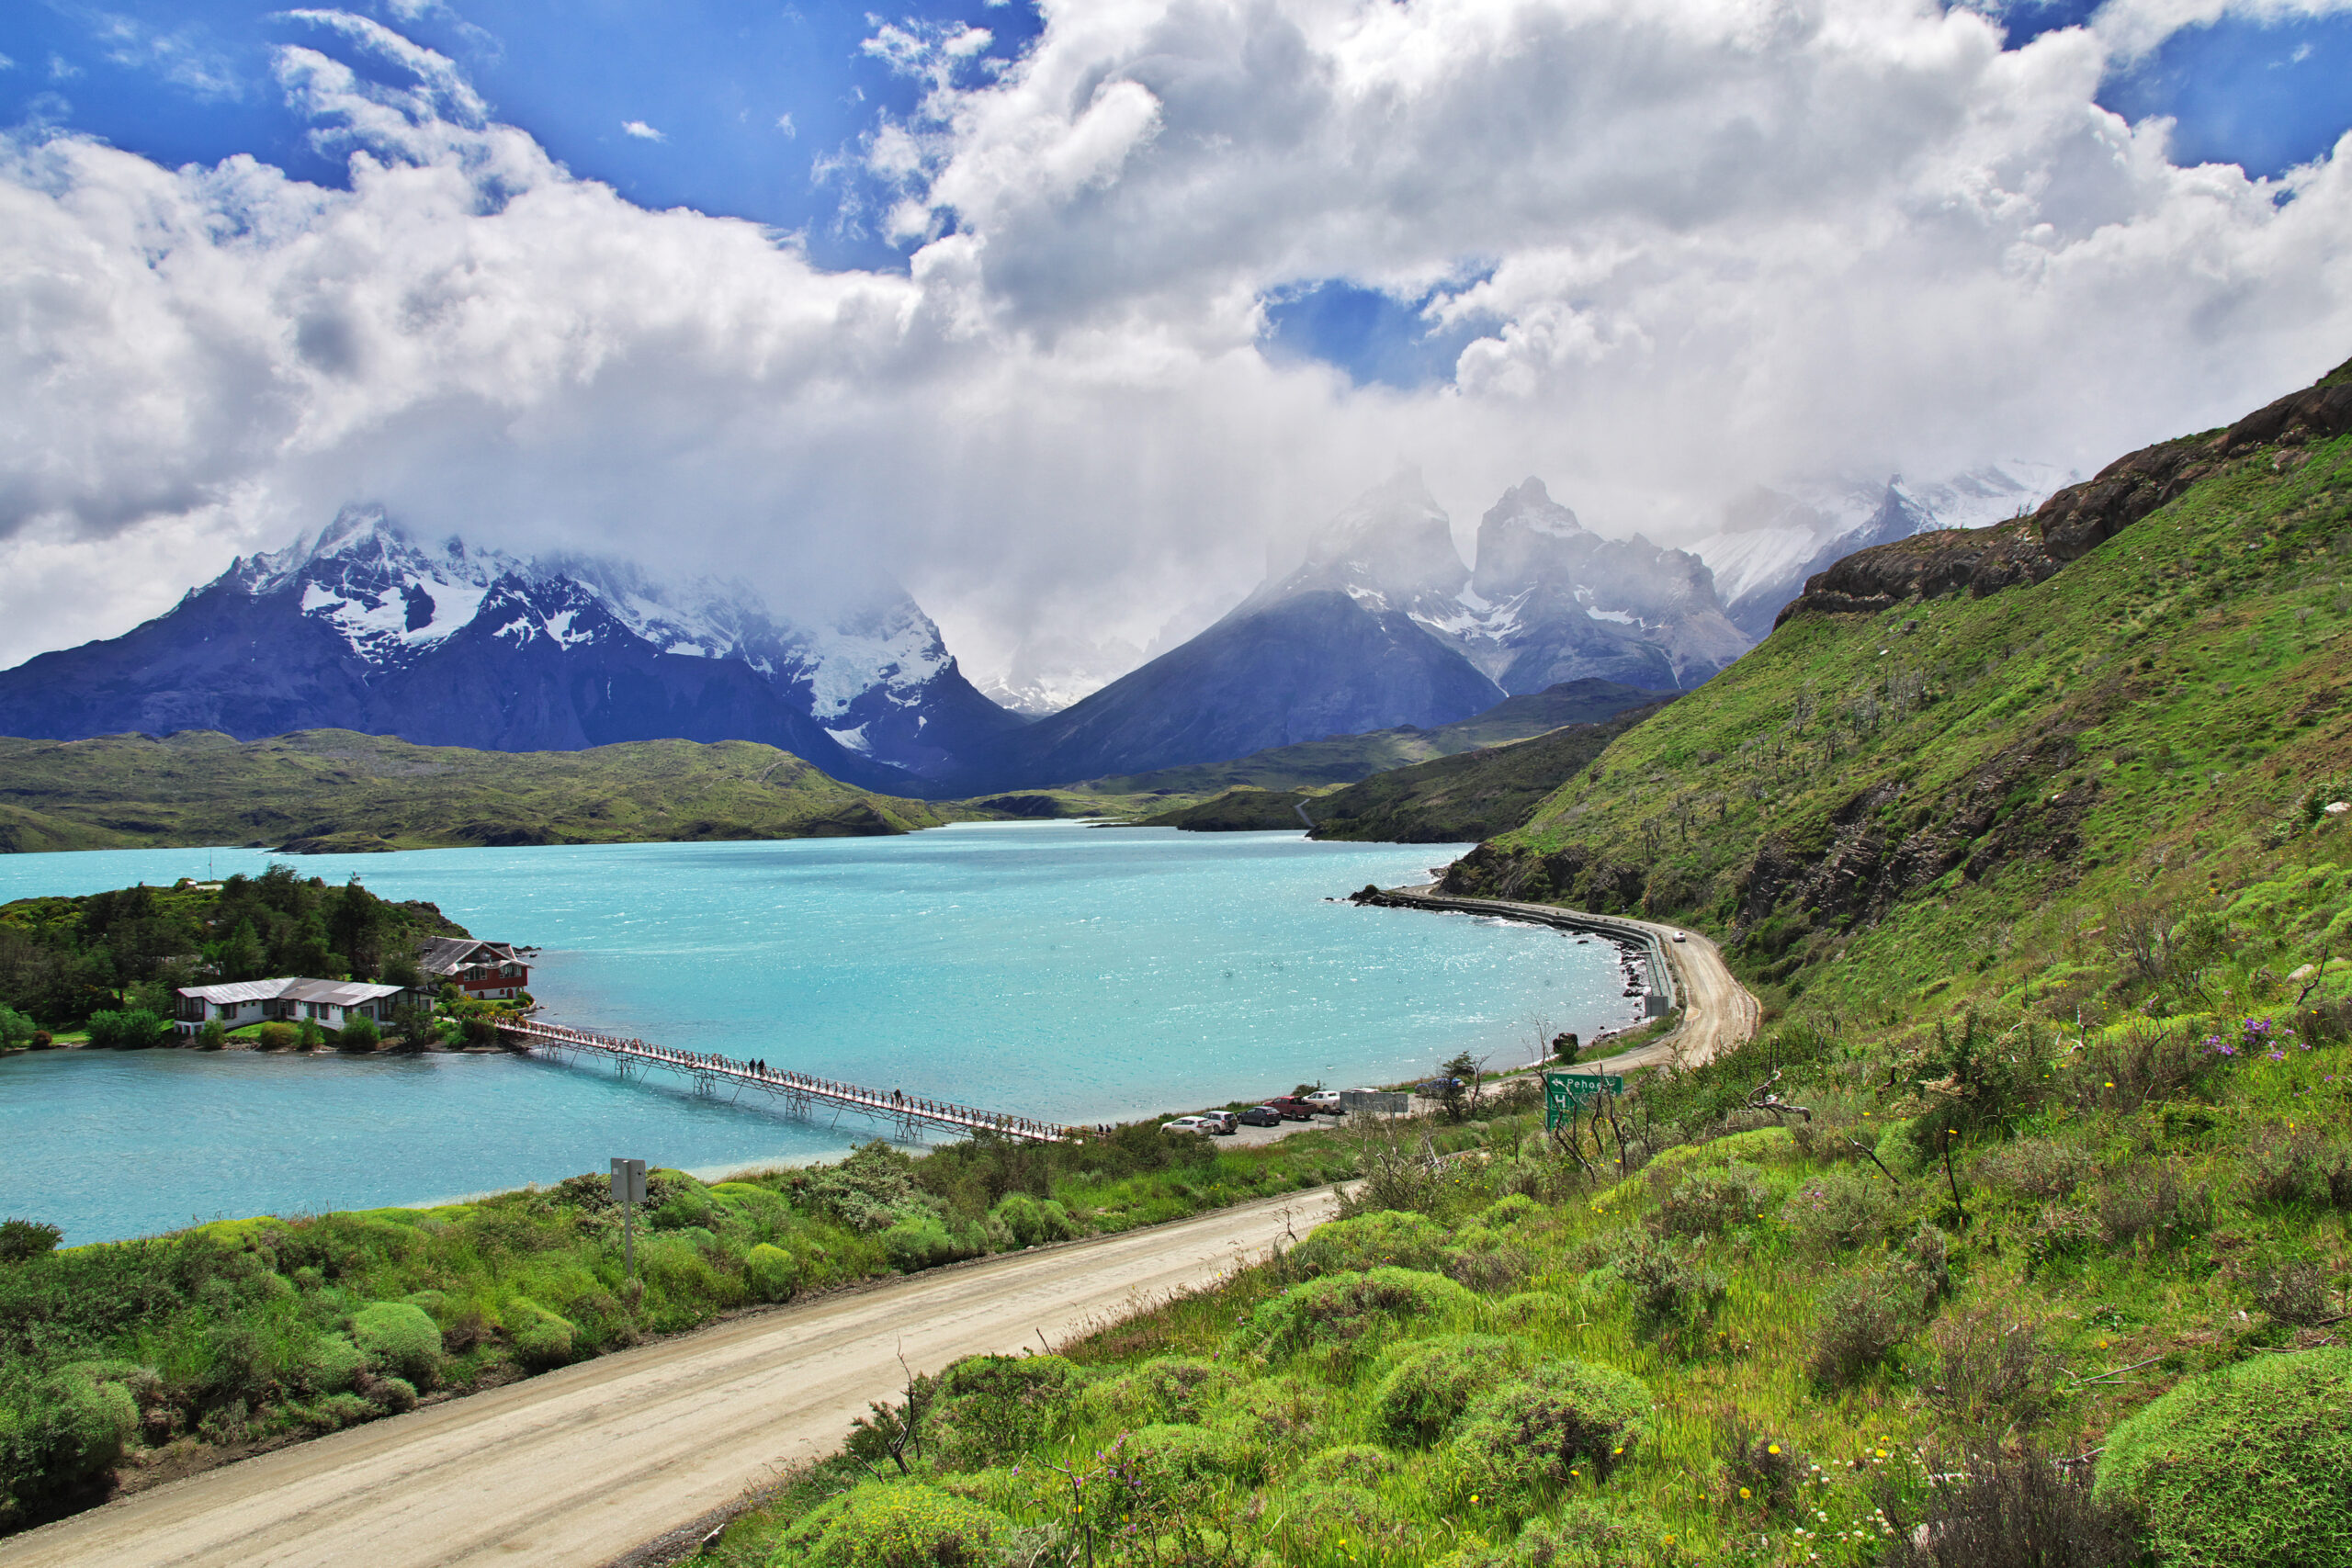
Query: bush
(133, 1028)
(991, 1407)
(1585, 1534)
(924, 1243)
(1339, 1521)
(2294, 1292)
(1033, 1222)
(59, 1437)
(906, 1525)
(1339, 1308)
(1164, 1470)
(1398, 1237)
(1859, 1332)
(2155, 1206)
(1987, 1366)
(2002, 1510)
(275, 1036)
(2243, 1467)
(2037, 1169)
(1843, 1208)
(16, 1030)
(395, 1395)
(1172, 1389)
(1709, 1203)
(538, 1338)
(1434, 1382)
(1529, 1433)
(771, 1273)
(400, 1341)
(1670, 1290)
(358, 1034)
(2303, 1169)
(1761, 1467)
(328, 1364)
(308, 1035)
(20, 1240)
(213, 1035)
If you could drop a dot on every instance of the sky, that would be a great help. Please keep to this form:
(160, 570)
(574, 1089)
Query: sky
(1072, 316)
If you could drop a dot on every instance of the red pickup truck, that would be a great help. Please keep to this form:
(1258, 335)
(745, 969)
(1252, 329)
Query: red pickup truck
(1292, 1107)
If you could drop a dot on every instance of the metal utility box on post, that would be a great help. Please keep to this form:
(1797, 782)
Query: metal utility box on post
(628, 1191)
(1566, 1094)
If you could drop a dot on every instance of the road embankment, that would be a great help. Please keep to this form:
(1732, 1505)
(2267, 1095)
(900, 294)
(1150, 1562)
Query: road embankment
(1718, 1012)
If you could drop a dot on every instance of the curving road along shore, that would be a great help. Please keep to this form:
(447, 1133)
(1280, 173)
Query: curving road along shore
(579, 1466)
(1718, 1012)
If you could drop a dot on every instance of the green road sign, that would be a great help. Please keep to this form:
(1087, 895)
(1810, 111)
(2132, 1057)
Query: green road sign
(1566, 1094)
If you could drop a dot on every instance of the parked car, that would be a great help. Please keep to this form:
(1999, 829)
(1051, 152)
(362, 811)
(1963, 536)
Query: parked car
(1292, 1107)
(1187, 1124)
(1325, 1102)
(1221, 1122)
(1260, 1116)
(1678, 937)
(1436, 1088)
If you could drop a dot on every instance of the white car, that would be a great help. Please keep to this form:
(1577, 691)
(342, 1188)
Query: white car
(1679, 936)
(1326, 1101)
(1187, 1124)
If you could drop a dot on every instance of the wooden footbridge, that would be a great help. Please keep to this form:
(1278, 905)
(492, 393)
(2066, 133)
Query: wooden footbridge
(798, 1092)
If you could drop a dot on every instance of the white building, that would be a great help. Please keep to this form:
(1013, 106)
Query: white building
(329, 1003)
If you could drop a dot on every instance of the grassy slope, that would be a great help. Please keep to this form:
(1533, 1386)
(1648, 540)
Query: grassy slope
(1475, 796)
(1344, 759)
(2032, 878)
(2155, 727)
(238, 1332)
(336, 790)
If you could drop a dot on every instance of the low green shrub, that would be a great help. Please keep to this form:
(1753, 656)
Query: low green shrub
(2244, 1467)
(1840, 1209)
(358, 1034)
(1397, 1237)
(1033, 1222)
(1671, 1290)
(275, 1036)
(904, 1525)
(923, 1242)
(213, 1035)
(1584, 1534)
(399, 1340)
(538, 1338)
(132, 1029)
(1527, 1435)
(1339, 1522)
(1339, 1308)
(1434, 1382)
(1162, 1470)
(16, 1030)
(771, 1273)
(327, 1364)
(989, 1408)
(1709, 1203)
(1172, 1389)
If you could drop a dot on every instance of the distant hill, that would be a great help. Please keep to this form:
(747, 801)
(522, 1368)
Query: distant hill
(1448, 800)
(368, 627)
(1344, 759)
(337, 791)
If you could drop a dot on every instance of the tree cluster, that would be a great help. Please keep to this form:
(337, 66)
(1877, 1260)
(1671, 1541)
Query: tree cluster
(65, 959)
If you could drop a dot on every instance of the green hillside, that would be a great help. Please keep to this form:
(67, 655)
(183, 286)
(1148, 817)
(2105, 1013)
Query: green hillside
(1344, 759)
(335, 791)
(1473, 796)
(1447, 800)
(2022, 1235)
(1985, 792)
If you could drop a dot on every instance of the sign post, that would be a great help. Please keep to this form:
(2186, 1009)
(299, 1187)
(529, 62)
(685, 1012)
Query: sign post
(1565, 1094)
(629, 1191)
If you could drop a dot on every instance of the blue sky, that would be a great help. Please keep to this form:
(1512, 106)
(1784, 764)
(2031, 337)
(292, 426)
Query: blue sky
(1069, 347)
(740, 109)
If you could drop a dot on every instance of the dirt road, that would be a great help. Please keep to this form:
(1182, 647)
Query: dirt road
(1718, 1012)
(578, 1466)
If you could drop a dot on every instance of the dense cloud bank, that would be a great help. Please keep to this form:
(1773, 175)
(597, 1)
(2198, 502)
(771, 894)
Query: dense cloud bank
(1700, 243)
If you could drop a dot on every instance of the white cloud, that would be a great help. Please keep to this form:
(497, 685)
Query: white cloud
(1702, 244)
(783, 123)
(641, 131)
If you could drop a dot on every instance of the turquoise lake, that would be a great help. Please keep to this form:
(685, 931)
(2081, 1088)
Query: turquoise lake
(1047, 969)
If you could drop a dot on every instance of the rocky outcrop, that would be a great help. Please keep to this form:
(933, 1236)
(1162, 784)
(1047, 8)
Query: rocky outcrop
(2074, 522)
